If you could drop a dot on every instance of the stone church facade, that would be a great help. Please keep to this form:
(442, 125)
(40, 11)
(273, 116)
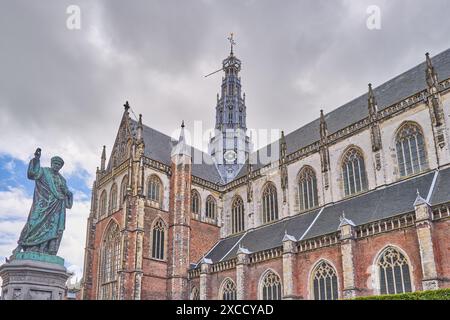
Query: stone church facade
(354, 203)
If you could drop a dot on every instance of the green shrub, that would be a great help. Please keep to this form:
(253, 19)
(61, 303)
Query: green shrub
(441, 294)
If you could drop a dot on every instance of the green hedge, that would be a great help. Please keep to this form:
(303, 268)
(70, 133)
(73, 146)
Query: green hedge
(441, 294)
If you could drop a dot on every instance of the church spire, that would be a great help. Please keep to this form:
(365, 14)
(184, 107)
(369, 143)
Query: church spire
(230, 108)
(181, 148)
(103, 159)
(230, 145)
(140, 130)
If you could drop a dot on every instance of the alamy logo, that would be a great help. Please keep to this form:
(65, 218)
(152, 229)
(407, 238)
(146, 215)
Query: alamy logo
(73, 22)
(373, 22)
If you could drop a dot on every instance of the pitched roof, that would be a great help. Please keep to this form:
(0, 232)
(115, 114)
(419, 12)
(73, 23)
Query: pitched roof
(387, 94)
(392, 91)
(385, 202)
(158, 146)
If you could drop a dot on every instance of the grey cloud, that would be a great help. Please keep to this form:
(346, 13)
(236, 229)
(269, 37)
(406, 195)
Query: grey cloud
(66, 88)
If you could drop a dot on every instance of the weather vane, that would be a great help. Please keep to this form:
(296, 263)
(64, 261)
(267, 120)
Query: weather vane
(232, 43)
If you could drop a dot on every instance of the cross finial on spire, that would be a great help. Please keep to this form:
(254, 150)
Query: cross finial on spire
(232, 42)
(126, 105)
(182, 123)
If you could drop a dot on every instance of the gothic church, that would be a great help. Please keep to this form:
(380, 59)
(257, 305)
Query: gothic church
(355, 203)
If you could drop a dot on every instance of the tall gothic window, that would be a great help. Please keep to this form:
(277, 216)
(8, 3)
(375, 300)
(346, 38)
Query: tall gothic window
(158, 232)
(113, 199)
(354, 172)
(237, 215)
(110, 257)
(195, 202)
(271, 287)
(154, 189)
(270, 203)
(228, 290)
(211, 207)
(307, 187)
(103, 203)
(325, 286)
(123, 190)
(195, 294)
(410, 150)
(394, 274)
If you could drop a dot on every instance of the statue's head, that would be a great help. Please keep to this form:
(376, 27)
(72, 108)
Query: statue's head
(57, 163)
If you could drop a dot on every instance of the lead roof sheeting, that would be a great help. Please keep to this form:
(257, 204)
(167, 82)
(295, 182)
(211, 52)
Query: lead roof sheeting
(374, 205)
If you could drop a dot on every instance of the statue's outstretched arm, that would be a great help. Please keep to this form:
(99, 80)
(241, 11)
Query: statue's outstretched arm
(34, 167)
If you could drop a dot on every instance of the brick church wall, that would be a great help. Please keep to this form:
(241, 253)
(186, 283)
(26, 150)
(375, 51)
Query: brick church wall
(367, 251)
(441, 242)
(99, 232)
(306, 261)
(203, 238)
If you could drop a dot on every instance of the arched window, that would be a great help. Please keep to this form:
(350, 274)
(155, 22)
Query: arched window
(195, 202)
(158, 243)
(307, 187)
(271, 287)
(228, 290)
(393, 271)
(110, 257)
(123, 190)
(410, 150)
(103, 203)
(324, 282)
(113, 199)
(270, 203)
(154, 189)
(354, 172)
(211, 207)
(237, 215)
(195, 294)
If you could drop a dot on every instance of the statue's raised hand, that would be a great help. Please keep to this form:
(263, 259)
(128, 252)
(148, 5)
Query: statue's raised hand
(37, 154)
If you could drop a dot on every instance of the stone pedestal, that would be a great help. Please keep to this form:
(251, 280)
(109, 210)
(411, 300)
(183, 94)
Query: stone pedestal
(25, 279)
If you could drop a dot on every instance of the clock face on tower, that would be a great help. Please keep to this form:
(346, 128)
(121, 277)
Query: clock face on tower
(230, 156)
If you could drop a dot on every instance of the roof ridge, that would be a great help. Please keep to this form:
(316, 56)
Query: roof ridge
(375, 90)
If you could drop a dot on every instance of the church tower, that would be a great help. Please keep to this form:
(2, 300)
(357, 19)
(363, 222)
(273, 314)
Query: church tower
(230, 145)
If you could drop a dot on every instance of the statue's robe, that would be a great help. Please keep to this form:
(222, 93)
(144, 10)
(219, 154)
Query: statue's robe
(47, 217)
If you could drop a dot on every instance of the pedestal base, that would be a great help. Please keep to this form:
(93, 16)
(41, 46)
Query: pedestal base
(33, 280)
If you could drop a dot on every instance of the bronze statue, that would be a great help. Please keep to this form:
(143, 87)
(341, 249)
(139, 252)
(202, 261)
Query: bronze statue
(46, 221)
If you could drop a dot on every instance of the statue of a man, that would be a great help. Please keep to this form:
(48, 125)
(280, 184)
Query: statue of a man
(46, 220)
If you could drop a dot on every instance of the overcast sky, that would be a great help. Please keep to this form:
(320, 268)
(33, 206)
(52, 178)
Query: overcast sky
(63, 90)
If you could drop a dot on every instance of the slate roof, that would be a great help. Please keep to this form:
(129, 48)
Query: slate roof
(441, 192)
(387, 94)
(392, 91)
(373, 206)
(379, 204)
(158, 146)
